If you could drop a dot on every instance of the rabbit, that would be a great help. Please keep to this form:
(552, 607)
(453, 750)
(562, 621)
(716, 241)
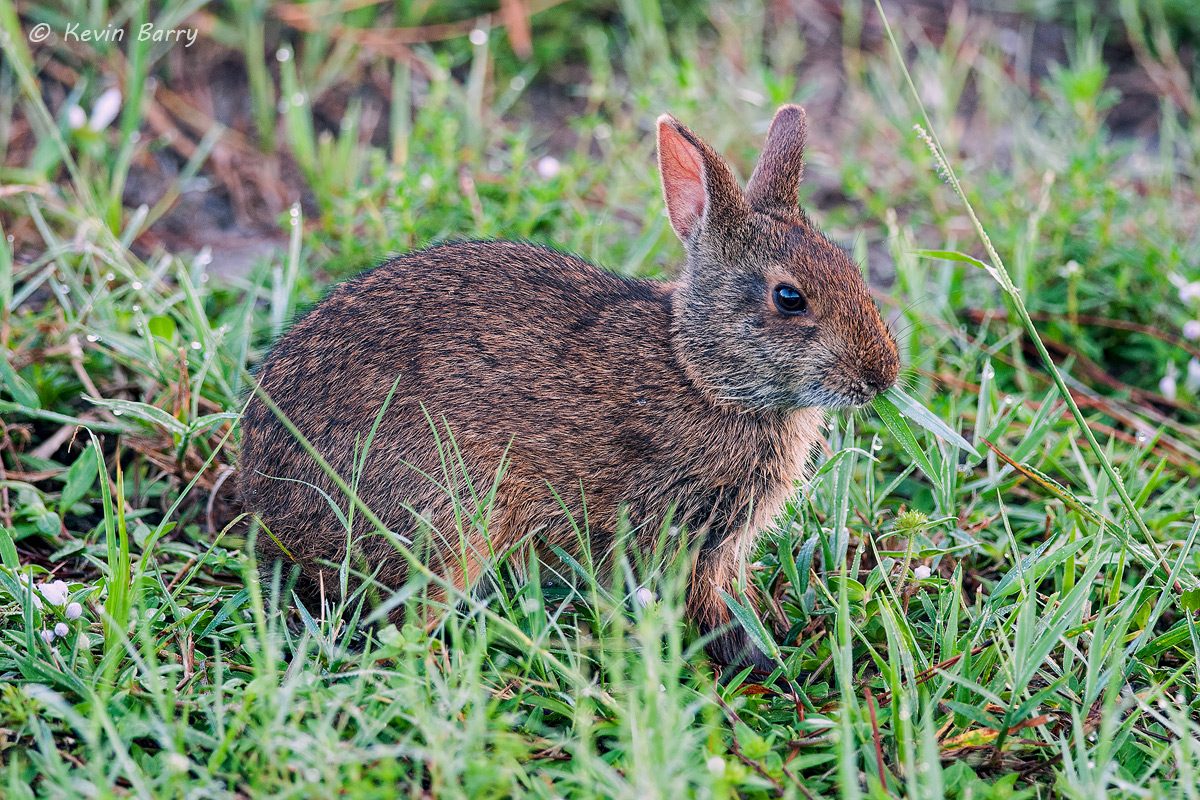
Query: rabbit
(697, 401)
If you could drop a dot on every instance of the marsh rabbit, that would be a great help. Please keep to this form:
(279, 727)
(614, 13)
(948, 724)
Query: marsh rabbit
(697, 401)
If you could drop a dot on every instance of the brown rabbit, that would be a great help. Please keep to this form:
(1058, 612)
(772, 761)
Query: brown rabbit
(698, 401)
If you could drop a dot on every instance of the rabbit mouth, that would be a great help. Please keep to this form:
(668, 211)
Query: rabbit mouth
(824, 397)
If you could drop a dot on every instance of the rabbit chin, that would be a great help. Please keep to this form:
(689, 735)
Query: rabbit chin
(823, 397)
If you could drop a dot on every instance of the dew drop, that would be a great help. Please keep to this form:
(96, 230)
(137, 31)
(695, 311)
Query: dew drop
(298, 99)
(517, 83)
(283, 54)
(479, 37)
(1142, 438)
(110, 276)
(137, 286)
(91, 337)
(1009, 400)
(195, 345)
(117, 412)
(988, 372)
(136, 307)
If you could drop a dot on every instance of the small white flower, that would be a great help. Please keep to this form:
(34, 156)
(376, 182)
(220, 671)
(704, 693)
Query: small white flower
(425, 182)
(644, 597)
(922, 572)
(47, 635)
(1167, 385)
(548, 167)
(1189, 291)
(108, 105)
(55, 593)
(1070, 269)
(76, 118)
(61, 629)
(716, 766)
(1191, 329)
(178, 762)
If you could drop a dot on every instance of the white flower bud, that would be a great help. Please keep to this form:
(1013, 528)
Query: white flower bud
(1168, 387)
(548, 167)
(1193, 375)
(108, 105)
(74, 611)
(55, 593)
(61, 629)
(76, 118)
(47, 635)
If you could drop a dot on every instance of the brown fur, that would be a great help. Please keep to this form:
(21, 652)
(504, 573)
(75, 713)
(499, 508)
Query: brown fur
(694, 400)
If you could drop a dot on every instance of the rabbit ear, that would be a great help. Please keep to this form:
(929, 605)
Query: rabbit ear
(776, 180)
(697, 183)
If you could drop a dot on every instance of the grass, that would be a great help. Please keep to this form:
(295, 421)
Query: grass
(998, 625)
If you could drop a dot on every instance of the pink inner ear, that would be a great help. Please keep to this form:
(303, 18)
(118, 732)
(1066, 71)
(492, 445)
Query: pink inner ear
(682, 179)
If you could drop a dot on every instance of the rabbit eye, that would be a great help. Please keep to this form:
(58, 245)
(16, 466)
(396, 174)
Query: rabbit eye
(789, 301)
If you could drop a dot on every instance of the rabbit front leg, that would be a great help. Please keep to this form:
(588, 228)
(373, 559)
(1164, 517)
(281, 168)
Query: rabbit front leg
(715, 571)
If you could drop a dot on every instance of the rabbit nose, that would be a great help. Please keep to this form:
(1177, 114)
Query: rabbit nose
(882, 378)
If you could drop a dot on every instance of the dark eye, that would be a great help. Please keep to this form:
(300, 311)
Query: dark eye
(789, 300)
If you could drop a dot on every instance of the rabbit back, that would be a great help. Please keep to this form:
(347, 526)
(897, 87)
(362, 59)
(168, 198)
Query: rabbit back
(501, 352)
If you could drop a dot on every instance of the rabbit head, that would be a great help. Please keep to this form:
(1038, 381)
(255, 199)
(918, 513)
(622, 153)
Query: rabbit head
(768, 312)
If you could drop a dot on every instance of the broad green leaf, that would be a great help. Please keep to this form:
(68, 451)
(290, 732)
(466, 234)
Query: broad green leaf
(8, 550)
(899, 428)
(753, 627)
(918, 413)
(79, 479)
(201, 424)
(17, 386)
(143, 412)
